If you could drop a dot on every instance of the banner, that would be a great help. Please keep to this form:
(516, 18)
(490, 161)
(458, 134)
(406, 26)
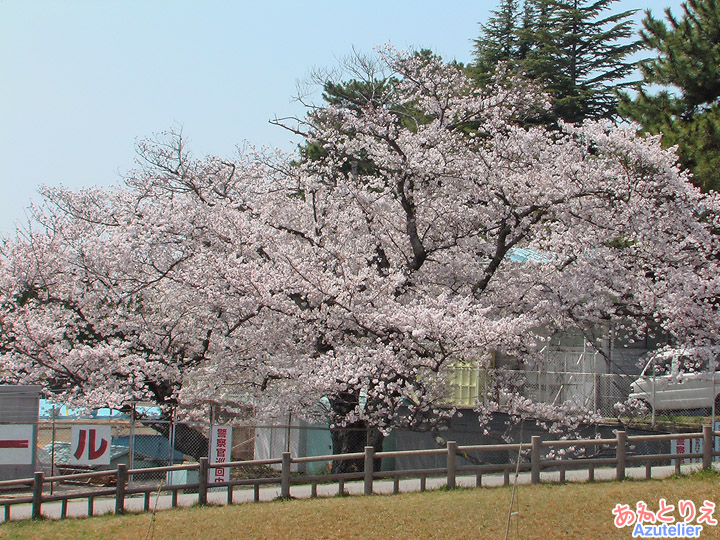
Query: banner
(220, 452)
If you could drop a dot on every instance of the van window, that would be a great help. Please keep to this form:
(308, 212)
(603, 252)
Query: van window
(660, 365)
(688, 364)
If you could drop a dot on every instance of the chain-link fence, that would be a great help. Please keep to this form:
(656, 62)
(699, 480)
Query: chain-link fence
(598, 392)
(142, 441)
(688, 400)
(149, 443)
(137, 442)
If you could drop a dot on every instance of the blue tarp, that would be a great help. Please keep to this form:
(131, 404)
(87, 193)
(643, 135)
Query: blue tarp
(62, 411)
(155, 447)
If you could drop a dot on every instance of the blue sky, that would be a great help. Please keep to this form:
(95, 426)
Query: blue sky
(83, 80)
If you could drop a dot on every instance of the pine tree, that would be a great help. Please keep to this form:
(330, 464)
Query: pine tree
(576, 51)
(686, 62)
(499, 42)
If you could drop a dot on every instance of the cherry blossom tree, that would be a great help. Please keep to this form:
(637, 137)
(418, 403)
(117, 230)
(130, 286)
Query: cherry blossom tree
(407, 223)
(111, 297)
(347, 285)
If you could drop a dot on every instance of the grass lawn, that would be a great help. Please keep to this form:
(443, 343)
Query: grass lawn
(546, 511)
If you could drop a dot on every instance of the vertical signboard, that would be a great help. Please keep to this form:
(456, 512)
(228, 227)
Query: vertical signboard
(695, 446)
(220, 450)
(678, 446)
(688, 446)
(90, 445)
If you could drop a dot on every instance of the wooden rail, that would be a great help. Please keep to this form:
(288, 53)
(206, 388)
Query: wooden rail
(122, 475)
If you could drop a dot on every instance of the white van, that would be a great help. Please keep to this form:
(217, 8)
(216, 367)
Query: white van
(676, 379)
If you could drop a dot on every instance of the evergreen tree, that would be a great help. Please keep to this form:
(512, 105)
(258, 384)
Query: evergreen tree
(500, 41)
(576, 51)
(686, 62)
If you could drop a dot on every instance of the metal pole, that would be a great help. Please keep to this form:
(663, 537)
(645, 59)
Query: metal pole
(131, 443)
(52, 451)
(713, 368)
(595, 383)
(288, 433)
(171, 435)
(653, 391)
(171, 478)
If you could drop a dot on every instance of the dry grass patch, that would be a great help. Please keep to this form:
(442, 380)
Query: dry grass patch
(546, 511)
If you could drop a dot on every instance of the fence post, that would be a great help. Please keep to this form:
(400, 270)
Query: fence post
(37, 495)
(620, 455)
(285, 476)
(122, 476)
(203, 481)
(707, 446)
(535, 459)
(369, 469)
(451, 463)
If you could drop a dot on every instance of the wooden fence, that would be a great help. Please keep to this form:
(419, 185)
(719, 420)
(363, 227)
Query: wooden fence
(537, 463)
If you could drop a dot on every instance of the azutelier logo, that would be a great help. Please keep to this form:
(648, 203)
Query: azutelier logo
(664, 523)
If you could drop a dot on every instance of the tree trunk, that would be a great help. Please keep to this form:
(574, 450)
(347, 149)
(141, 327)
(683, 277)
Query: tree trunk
(351, 439)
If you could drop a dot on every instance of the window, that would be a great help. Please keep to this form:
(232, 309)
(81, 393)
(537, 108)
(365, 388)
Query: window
(659, 366)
